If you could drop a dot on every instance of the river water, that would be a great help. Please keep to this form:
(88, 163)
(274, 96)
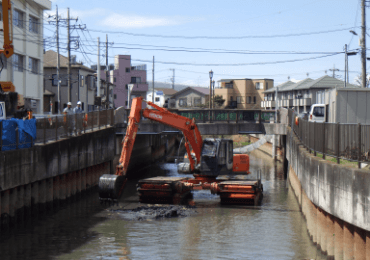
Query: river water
(86, 229)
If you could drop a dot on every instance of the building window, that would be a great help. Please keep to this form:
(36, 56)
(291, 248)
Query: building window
(249, 99)
(239, 100)
(82, 81)
(157, 99)
(126, 103)
(182, 102)
(18, 62)
(114, 79)
(128, 70)
(254, 100)
(197, 102)
(18, 18)
(4, 60)
(231, 98)
(33, 65)
(259, 85)
(54, 81)
(115, 96)
(33, 24)
(135, 80)
(1, 12)
(229, 85)
(267, 85)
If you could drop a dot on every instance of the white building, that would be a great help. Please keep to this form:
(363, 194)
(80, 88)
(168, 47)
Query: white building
(25, 68)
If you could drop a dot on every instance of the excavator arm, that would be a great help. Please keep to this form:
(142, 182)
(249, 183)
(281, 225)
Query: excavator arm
(7, 30)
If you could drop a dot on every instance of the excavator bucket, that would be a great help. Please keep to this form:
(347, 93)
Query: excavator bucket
(111, 186)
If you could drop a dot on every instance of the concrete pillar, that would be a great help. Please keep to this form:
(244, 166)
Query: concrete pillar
(83, 180)
(360, 243)
(49, 194)
(330, 235)
(56, 191)
(35, 199)
(348, 241)
(42, 196)
(20, 204)
(5, 209)
(12, 206)
(27, 201)
(338, 238)
(367, 245)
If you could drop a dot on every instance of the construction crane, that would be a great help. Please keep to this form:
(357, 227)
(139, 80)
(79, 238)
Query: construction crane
(207, 160)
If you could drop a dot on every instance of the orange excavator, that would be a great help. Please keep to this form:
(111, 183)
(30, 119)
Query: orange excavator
(207, 160)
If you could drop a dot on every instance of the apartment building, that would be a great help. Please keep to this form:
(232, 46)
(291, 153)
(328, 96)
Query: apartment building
(124, 74)
(301, 95)
(25, 68)
(243, 93)
(83, 82)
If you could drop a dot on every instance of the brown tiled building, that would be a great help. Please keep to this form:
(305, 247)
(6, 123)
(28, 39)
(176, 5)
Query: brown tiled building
(243, 93)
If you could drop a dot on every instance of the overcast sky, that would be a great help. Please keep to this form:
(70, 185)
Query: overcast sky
(235, 39)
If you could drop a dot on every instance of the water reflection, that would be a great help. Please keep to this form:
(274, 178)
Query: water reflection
(85, 230)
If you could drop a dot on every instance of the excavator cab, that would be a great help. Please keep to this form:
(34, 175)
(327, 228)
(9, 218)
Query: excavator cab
(216, 157)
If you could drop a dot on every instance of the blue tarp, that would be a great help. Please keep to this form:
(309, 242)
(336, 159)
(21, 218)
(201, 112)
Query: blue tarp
(26, 130)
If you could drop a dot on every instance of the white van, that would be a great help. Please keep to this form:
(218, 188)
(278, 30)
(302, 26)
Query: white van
(317, 113)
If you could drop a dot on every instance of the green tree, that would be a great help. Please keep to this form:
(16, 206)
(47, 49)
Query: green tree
(219, 101)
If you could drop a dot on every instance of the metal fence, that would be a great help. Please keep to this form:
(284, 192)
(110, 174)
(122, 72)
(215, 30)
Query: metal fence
(342, 141)
(64, 126)
(224, 115)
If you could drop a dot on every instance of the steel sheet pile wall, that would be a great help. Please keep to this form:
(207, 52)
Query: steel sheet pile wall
(47, 174)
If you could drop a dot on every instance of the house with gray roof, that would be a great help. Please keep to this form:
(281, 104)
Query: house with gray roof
(301, 95)
(190, 97)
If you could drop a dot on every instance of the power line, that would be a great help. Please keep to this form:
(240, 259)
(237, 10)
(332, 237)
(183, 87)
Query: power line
(224, 37)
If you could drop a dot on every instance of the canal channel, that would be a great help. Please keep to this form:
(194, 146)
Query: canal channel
(86, 229)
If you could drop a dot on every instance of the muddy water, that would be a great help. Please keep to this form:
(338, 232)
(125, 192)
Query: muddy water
(88, 230)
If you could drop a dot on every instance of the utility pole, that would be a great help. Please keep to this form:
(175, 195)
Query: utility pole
(98, 71)
(363, 44)
(345, 65)
(107, 71)
(334, 70)
(173, 78)
(69, 58)
(153, 82)
(58, 61)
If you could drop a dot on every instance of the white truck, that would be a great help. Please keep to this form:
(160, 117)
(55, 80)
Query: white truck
(318, 113)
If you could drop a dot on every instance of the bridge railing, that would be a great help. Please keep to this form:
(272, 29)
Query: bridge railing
(52, 128)
(226, 115)
(341, 141)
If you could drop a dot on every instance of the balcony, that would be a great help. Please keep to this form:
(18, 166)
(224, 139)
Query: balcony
(305, 102)
(296, 102)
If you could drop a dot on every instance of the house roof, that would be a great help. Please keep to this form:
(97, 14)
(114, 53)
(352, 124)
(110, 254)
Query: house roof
(50, 60)
(328, 82)
(297, 85)
(280, 87)
(203, 91)
(166, 91)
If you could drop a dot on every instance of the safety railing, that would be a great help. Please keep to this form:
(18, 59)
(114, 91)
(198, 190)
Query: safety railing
(224, 115)
(53, 128)
(341, 141)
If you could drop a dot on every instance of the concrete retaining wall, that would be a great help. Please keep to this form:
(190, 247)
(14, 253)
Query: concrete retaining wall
(334, 200)
(36, 179)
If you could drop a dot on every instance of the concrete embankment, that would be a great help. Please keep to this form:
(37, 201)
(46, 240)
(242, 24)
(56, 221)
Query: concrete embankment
(334, 200)
(36, 179)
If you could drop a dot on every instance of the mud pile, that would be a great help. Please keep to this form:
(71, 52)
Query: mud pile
(156, 212)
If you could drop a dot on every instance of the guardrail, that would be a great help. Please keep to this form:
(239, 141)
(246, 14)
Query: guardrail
(53, 128)
(223, 115)
(341, 141)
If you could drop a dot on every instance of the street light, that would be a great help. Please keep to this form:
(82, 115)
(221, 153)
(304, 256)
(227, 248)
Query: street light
(213, 98)
(210, 88)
